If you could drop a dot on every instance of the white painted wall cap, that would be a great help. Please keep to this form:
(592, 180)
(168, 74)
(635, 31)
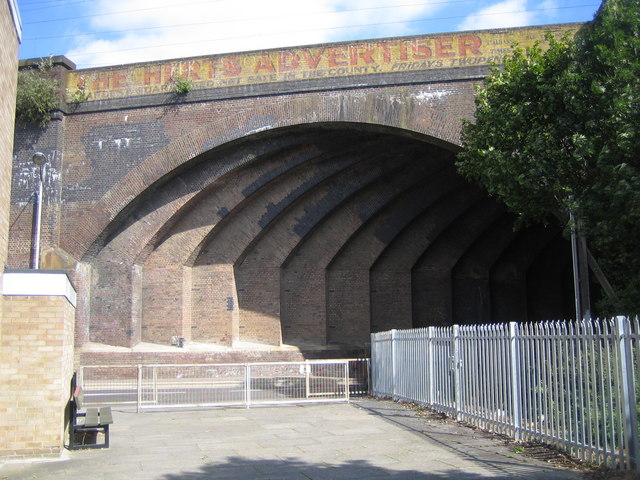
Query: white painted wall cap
(39, 283)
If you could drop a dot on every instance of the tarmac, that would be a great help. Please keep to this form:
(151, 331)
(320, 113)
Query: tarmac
(365, 439)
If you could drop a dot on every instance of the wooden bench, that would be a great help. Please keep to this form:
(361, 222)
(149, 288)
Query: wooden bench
(94, 419)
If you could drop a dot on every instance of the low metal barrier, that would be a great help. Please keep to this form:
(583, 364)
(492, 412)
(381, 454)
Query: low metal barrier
(156, 387)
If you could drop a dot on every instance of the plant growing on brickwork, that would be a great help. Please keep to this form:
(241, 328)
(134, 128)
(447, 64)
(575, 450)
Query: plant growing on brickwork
(37, 94)
(181, 84)
(80, 94)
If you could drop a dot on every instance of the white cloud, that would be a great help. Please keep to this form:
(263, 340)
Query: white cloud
(549, 6)
(509, 13)
(160, 29)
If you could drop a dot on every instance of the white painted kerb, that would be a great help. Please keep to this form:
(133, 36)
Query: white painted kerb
(38, 283)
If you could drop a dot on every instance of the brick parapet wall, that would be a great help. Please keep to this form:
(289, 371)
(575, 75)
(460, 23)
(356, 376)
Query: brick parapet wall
(36, 366)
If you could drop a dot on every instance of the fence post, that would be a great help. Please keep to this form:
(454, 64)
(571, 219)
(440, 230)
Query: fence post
(430, 359)
(307, 378)
(516, 394)
(347, 381)
(628, 389)
(139, 403)
(393, 363)
(247, 385)
(154, 369)
(456, 371)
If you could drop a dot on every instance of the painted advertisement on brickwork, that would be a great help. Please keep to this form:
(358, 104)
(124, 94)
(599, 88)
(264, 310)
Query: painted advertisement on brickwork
(408, 54)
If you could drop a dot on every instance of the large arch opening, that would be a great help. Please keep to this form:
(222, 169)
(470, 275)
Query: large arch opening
(316, 236)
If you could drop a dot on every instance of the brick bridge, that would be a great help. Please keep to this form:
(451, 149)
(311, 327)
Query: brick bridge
(302, 197)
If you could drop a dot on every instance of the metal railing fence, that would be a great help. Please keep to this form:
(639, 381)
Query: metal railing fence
(155, 387)
(572, 384)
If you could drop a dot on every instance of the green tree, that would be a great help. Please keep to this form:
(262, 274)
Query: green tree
(557, 131)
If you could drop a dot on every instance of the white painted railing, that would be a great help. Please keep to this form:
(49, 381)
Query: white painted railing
(569, 384)
(157, 387)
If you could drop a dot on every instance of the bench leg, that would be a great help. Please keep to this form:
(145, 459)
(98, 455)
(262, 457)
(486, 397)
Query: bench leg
(74, 446)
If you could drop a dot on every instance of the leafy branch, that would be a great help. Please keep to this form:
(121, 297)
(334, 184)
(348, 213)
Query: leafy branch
(37, 94)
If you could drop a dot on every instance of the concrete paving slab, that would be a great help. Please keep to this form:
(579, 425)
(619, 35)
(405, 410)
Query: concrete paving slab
(367, 439)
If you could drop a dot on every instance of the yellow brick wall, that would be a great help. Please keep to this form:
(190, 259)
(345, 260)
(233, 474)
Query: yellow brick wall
(36, 365)
(8, 79)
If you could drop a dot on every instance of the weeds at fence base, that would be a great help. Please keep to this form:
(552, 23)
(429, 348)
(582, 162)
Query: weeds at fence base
(426, 413)
(545, 453)
(603, 473)
(535, 450)
(548, 454)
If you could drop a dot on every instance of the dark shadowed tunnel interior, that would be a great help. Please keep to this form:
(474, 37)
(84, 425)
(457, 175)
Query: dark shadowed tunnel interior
(319, 235)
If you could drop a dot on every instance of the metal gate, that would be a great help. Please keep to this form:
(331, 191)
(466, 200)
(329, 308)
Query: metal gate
(156, 387)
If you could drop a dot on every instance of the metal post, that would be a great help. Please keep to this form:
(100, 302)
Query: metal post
(139, 403)
(456, 370)
(307, 379)
(154, 369)
(576, 269)
(247, 386)
(432, 368)
(580, 271)
(515, 380)
(628, 390)
(40, 160)
(583, 265)
(346, 381)
(393, 363)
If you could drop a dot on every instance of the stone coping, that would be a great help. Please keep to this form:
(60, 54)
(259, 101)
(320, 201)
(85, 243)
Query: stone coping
(39, 283)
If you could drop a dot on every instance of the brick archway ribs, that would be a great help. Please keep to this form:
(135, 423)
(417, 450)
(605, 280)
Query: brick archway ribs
(306, 237)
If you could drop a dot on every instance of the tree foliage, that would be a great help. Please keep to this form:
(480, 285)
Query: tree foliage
(37, 94)
(557, 131)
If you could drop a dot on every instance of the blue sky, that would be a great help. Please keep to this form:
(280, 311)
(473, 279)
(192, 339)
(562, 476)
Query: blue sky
(112, 32)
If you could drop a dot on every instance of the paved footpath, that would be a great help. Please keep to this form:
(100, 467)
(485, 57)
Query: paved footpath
(366, 439)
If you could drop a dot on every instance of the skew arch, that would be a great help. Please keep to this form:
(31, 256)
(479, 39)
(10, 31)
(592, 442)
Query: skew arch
(310, 235)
